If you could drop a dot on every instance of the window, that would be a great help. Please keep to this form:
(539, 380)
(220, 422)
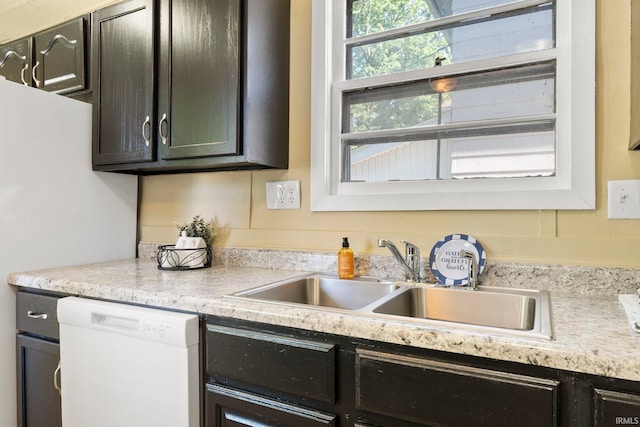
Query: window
(453, 104)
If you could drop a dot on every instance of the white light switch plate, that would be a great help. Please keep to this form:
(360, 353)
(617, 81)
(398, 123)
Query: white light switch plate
(624, 199)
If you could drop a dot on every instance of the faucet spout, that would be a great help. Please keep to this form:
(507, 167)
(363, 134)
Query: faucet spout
(410, 264)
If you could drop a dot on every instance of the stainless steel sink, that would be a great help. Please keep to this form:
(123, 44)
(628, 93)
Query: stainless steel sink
(495, 309)
(521, 312)
(326, 291)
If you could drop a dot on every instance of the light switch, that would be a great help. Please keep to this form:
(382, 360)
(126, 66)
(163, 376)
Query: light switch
(624, 199)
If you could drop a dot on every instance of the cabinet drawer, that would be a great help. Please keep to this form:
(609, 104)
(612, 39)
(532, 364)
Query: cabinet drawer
(433, 393)
(613, 408)
(296, 366)
(37, 314)
(229, 407)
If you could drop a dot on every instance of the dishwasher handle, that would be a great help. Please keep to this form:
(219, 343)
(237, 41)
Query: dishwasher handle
(120, 323)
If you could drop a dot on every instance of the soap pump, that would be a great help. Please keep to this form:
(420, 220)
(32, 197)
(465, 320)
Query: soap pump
(345, 260)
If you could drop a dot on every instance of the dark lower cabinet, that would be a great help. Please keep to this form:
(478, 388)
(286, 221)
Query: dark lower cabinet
(265, 375)
(260, 378)
(38, 356)
(38, 400)
(613, 408)
(226, 407)
(298, 367)
(425, 391)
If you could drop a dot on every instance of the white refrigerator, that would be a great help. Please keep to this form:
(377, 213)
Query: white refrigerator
(54, 210)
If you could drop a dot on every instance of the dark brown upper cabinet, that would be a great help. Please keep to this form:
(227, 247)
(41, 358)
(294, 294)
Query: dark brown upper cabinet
(59, 58)
(52, 60)
(15, 61)
(220, 95)
(199, 119)
(122, 67)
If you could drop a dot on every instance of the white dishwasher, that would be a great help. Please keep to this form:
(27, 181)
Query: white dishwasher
(127, 366)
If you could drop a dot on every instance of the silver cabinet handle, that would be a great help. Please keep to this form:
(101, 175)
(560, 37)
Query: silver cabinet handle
(56, 381)
(163, 135)
(36, 315)
(33, 74)
(147, 122)
(22, 74)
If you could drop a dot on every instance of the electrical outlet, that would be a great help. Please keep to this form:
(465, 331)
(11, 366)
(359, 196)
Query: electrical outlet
(624, 199)
(283, 195)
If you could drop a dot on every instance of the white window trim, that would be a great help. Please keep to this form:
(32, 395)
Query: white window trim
(573, 186)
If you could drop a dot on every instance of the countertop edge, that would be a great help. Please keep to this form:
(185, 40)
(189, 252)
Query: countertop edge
(602, 359)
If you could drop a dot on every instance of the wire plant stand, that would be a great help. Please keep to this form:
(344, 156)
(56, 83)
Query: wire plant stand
(170, 258)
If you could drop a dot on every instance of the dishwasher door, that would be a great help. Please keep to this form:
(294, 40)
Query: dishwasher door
(127, 366)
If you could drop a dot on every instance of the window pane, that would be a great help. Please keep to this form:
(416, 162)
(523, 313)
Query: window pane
(372, 16)
(391, 108)
(530, 31)
(502, 156)
(513, 92)
(393, 161)
(512, 155)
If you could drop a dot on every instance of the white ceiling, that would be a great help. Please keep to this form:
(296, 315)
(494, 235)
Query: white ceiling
(19, 18)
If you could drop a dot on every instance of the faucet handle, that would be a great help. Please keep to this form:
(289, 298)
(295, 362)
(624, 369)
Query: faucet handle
(412, 257)
(472, 267)
(411, 249)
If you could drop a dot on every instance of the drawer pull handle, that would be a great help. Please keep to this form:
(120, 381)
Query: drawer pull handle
(36, 315)
(56, 381)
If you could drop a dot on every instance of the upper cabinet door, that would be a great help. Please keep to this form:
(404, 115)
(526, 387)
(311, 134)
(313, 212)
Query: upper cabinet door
(59, 58)
(15, 61)
(122, 64)
(199, 82)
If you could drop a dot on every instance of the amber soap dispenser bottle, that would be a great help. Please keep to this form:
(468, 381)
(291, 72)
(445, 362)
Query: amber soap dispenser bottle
(345, 260)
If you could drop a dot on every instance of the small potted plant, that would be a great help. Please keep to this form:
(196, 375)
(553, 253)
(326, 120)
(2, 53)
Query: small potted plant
(193, 248)
(198, 227)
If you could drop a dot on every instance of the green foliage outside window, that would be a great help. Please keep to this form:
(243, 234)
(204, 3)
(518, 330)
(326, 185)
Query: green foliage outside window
(397, 55)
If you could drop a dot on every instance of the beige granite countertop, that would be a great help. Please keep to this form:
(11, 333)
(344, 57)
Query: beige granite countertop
(591, 332)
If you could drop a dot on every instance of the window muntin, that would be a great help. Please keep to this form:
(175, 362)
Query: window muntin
(520, 31)
(520, 91)
(404, 13)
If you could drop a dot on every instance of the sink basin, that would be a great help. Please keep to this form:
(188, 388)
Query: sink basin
(499, 310)
(521, 312)
(513, 309)
(326, 291)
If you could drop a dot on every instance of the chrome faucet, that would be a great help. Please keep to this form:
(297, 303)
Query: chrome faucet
(472, 268)
(411, 261)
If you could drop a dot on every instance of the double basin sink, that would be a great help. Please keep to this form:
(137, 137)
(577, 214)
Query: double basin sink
(520, 312)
